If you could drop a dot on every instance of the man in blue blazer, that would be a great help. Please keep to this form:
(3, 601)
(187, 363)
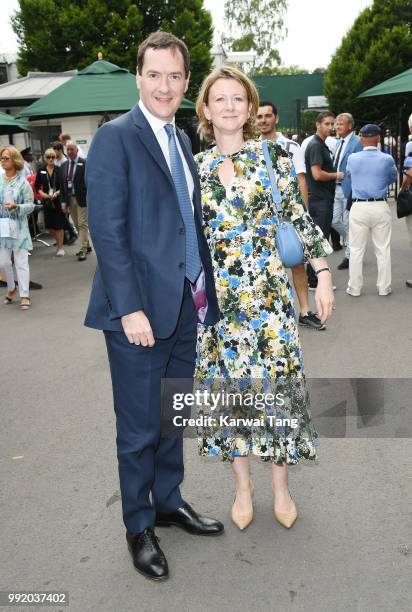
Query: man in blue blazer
(348, 143)
(145, 221)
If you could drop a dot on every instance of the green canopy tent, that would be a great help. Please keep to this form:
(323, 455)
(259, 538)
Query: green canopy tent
(10, 125)
(400, 83)
(98, 88)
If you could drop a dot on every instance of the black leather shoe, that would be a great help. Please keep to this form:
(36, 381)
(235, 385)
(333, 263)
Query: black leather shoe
(87, 250)
(186, 518)
(148, 557)
(344, 264)
(33, 285)
(82, 256)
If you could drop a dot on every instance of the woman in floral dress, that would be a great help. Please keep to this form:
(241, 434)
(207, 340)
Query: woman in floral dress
(256, 339)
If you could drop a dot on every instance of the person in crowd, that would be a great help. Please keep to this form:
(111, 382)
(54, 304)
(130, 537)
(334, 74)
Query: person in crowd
(64, 139)
(145, 222)
(389, 144)
(330, 142)
(267, 122)
(75, 202)
(58, 148)
(407, 184)
(322, 178)
(29, 165)
(49, 185)
(257, 335)
(348, 143)
(16, 197)
(370, 172)
(70, 235)
(408, 147)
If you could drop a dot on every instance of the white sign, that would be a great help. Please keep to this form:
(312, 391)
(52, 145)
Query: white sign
(317, 102)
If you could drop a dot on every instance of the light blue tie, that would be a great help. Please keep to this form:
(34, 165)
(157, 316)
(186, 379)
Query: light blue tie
(193, 265)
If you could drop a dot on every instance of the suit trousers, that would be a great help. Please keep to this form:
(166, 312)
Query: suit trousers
(340, 219)
(79, 216)
(21, 264)
(321, 212)
(374, 219)
(150, 466)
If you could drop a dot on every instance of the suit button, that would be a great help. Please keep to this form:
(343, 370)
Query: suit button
(181, 264)
(181, 230)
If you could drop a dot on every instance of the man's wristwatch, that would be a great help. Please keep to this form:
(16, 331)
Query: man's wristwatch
(322, 270)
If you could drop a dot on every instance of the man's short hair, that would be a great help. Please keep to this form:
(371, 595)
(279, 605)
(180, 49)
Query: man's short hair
(163, 40)
(272, 106)
(65, 136)
(321, 116)
(57, 146)
(349, 118)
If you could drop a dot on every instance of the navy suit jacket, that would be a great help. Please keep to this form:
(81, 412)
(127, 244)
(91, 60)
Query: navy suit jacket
(137, 229)
(354, 145)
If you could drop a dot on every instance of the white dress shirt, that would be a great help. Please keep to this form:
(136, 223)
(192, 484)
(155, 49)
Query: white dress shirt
(345, 144)
(158, 127)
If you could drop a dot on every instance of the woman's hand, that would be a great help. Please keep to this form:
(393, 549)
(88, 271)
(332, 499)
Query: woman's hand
(11, 206)
(324, 297)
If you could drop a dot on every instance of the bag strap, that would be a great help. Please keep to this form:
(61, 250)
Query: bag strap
(275, 191)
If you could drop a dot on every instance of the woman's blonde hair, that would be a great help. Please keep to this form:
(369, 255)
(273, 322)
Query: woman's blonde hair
(227, 72)
(49, 151)
(15, 156)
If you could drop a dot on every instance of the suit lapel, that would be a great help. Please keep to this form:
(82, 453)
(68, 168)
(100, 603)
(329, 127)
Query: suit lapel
(149, 141)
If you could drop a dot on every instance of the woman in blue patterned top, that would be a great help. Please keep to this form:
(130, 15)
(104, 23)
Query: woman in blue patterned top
(255, 345)
(16, 202)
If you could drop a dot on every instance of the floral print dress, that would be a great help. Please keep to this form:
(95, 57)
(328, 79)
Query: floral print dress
(256, 338)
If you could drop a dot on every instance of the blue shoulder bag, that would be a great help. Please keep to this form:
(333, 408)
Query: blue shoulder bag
(288, 242)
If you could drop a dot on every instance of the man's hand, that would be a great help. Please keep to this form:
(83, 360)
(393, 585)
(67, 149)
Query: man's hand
(137, 328)
(340, 176)
(324, 297)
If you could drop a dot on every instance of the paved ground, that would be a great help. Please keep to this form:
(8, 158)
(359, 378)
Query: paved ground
(60, 512)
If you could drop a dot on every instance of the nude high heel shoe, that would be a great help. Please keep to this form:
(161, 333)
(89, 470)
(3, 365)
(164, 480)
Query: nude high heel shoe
(287, 519)
(242, 519)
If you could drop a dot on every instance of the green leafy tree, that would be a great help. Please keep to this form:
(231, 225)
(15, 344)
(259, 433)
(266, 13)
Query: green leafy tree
(289, 70)
(57, 35)
(256, 25)
(377, 47)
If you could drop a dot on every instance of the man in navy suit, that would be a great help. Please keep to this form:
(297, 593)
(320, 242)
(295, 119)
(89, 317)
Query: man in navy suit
(348, 143)
(145, 221)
